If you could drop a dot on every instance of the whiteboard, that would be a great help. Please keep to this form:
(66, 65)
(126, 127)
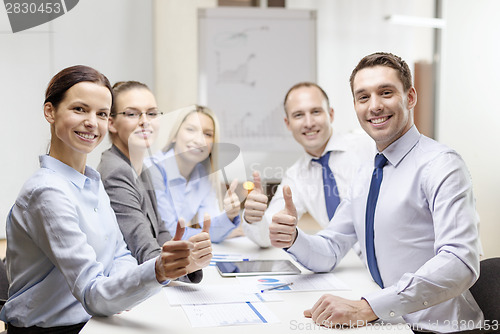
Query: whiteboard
(248, 59)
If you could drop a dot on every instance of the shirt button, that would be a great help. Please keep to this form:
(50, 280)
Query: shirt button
(392, 314)
(95, 209)
(426, 303)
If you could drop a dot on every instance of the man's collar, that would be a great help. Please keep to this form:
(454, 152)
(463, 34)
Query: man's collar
(402, 146)
(334, 144)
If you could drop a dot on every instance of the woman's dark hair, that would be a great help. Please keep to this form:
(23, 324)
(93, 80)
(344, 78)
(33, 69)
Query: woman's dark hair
(70, 76)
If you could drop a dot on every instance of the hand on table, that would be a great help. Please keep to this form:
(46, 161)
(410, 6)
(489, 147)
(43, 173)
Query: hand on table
(256, 202)
(231, 201)
(175, 256)
(201, 253)
(334, 311)
(283, 229)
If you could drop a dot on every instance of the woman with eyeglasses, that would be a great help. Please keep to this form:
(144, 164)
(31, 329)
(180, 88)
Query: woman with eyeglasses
(185, 180)
(133, 127)
(66, 257)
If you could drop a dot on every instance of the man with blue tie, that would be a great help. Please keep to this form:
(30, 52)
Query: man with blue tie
(322, 174)
(411, 209)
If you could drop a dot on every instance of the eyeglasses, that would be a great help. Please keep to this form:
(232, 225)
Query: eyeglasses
(136, 114)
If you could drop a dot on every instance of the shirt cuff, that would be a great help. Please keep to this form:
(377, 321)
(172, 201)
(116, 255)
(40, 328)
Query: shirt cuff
(300, 246)
(258, 232)
(150, 271)
(385, 303)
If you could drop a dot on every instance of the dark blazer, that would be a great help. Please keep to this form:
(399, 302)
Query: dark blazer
(134, 201)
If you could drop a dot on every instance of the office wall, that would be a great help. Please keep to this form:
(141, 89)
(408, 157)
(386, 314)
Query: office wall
(176, 51)
(114, 36)
(468, 115)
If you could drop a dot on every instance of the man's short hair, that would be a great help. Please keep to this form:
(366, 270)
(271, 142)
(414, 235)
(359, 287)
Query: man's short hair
(385, 59)
(305, 84)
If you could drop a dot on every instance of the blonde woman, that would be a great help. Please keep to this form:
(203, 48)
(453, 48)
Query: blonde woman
(185, 179)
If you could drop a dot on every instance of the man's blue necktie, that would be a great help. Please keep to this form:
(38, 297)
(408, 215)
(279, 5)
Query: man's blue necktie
(380, 161)
(332, 199)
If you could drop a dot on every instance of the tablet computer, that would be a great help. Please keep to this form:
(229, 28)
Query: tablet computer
(257, 267)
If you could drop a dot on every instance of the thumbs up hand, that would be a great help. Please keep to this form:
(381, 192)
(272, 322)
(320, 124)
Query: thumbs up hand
(256, 202)
(174, 258)
(201, 254)
(283, 229)
(231, 201)
(207, 221)
(179, 231)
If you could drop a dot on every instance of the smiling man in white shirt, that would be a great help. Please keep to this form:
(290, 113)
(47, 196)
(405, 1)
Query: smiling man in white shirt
(309, 118)
(419, 232)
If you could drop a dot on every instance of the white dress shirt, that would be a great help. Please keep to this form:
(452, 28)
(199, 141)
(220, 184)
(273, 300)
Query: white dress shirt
(66, 258)
(305, 179)
(426, 236)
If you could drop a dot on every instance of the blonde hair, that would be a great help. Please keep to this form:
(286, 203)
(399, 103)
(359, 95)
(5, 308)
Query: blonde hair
(211, 162)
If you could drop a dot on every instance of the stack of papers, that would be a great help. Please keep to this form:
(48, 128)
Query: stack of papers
(229, 314)
(243, 304)
(219, 305)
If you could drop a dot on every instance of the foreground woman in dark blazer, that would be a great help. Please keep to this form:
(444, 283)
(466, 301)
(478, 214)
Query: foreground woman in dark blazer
(133, 125)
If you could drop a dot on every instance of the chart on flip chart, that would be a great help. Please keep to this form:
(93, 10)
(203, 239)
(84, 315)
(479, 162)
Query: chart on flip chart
(248, 59)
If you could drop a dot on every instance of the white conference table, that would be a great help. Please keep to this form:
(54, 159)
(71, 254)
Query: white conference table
(155, 315)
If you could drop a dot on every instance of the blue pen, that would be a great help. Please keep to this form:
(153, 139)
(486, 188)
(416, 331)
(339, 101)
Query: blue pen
(276, 287)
